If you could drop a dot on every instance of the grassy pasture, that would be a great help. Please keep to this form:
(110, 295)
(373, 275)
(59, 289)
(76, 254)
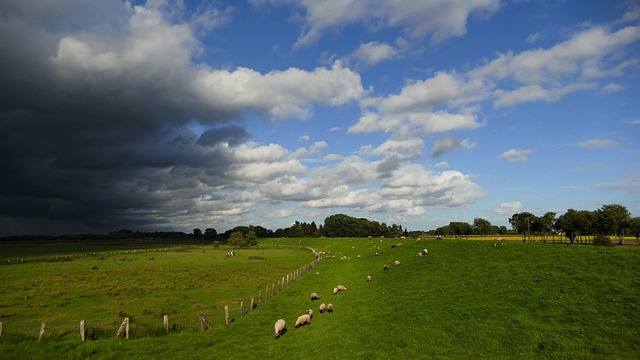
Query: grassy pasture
(466, 299)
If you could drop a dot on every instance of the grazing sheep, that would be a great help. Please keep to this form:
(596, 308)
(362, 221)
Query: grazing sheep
(425, 251)
(368, 278)
(396, 263)
(303, 320)
(419, 255)
(341, 288)
(376, 253)
(335, 291)
(385, 267)
(330, 308)
(280, 327)
(315, 296)
(310, 312)
(322, 308)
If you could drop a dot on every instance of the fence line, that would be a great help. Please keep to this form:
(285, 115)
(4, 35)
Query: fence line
(204, 324)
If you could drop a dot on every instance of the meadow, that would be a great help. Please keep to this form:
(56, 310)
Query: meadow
(465, 299)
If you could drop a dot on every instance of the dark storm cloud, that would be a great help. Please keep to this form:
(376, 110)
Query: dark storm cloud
(93, 147)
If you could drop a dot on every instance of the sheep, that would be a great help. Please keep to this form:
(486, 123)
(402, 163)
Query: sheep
(368, 278)
(341, 288)
(419, 255)
(280, 328)
(330, 308)
(322, 308)
(310, 312)
(425, 251)
(303, 320)
(335, 291)
(385, 267)
(314, 296)
(396, 263)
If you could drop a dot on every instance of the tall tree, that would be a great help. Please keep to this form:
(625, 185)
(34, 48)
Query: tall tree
(482, 226)
(611, 219)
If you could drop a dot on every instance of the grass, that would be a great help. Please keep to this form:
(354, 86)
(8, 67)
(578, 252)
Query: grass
(466, 299)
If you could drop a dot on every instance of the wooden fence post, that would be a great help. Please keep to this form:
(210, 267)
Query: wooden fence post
(282, 287)
(273, 289)
(42, 326)
(226, 315)
(241, 308)
(251, 306)
(0, 328)
(165, 320)
(259, 298)
(204, 324)
(83, 330)
(124, 326)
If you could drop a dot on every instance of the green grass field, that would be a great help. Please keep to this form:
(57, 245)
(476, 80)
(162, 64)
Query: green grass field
(466, 299)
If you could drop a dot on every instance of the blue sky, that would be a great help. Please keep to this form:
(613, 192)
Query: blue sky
(178, 115)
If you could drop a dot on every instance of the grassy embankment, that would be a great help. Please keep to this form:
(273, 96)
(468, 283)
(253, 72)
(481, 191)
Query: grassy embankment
(465, 299)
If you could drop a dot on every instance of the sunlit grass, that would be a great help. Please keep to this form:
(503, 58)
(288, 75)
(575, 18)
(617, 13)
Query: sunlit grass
(466, 299)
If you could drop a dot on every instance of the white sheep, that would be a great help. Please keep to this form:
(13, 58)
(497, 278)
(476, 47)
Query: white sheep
(385, 267)
(335, 291)
(396, 263)
(341, 288)
(315, 296)
(303, 320)
(425, 251)
(419, 255)
(310, 312)
(368, 278)
(280, 327)
(330, 308)
(322, 308)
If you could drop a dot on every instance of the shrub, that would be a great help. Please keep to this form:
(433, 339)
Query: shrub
(602, 240)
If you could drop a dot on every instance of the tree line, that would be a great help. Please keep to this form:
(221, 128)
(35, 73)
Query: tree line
(578, 225)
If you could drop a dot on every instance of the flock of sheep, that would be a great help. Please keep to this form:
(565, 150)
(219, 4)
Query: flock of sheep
(280, 326)
(305, 319)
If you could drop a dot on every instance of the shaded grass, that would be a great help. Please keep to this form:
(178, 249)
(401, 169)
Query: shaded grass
(465, 299)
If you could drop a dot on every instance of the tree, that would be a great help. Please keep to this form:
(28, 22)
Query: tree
(521, 223)
(197, 233)
(633, 225)
(611, 219)
(251, 239)
(548, 221)
(210, 233)
(236, 239)
(482, 227)
(460, 228)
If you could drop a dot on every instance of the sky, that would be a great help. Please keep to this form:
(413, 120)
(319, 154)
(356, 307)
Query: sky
(176, 115)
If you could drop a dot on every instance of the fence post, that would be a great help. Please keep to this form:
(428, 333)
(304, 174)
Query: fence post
(83, 330)
(226, 315)
(42, 325)
(124, 326)
(251, 306)
(165, 320)
(273, 289)
(0, 328)
(241, 308)
(259, 298)
(204, 324)
(282, 287)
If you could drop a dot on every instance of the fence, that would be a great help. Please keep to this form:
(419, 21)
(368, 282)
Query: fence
(269, 291)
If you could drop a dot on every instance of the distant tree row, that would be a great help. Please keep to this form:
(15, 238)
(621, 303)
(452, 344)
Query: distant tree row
(341, 225)
(577, 225)
(480, 226)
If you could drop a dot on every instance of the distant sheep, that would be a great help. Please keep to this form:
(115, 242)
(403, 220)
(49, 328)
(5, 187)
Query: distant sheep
(310, 312)
(396, 263)
(425, 251)
(280, 328)
(335, 291)
(330, 308)
(315, 296)
(419, 255)
(341, 288)
(322, 308)
(385, 267)
(368, 278)
(303, 320)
